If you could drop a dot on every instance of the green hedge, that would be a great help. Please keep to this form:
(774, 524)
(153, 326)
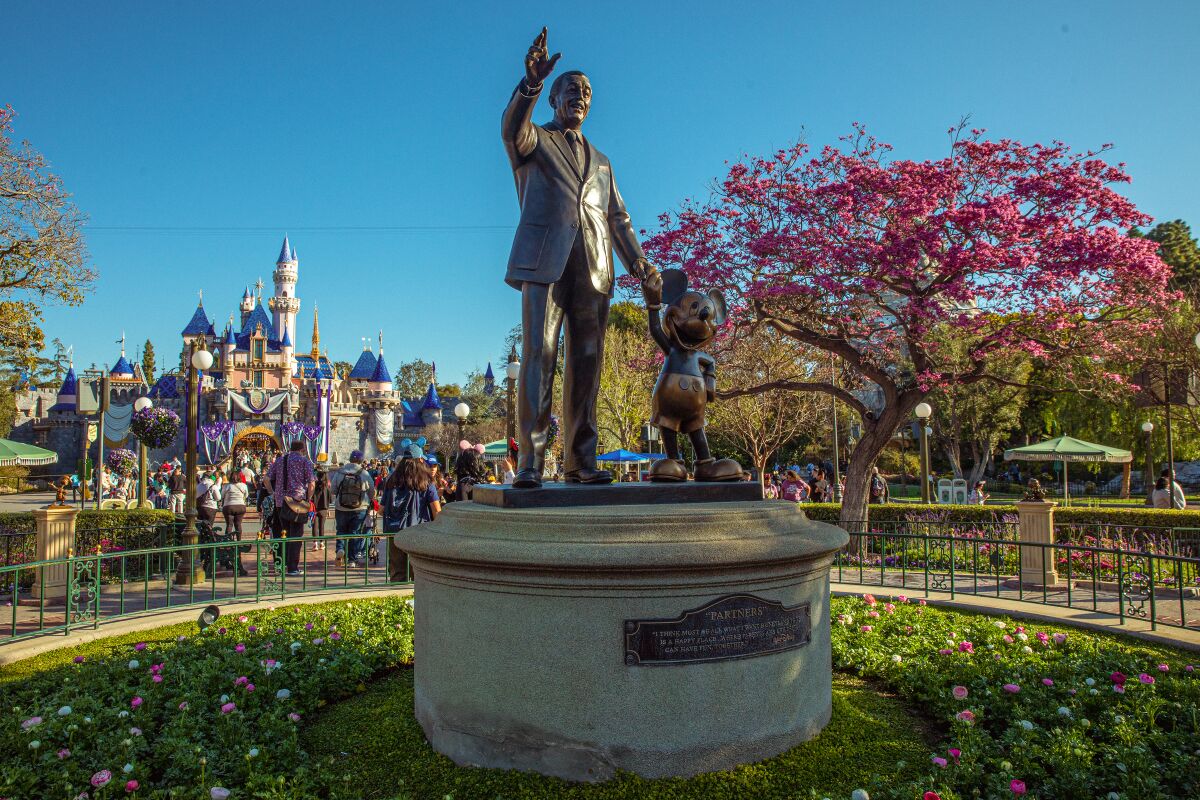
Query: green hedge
(907, 512)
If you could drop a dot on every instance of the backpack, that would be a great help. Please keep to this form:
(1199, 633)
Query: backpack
(877, 486)
(401, 509)
(351, 491)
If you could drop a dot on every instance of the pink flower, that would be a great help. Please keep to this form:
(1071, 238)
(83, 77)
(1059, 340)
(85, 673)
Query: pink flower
(78, 659)
(228, 708)
(1164, 668)
(135, 702)
(101, 778)
(945, 651)
(308, 626)
(252, 629)
(1020, 629)
(32, 722)
(889, 608)
(966, 647)
(939, 761)
(931, 796)
(294, 717)
(920, 602)
(333, 637)
(903, 598)
(1146, 679)
(873, 614)
(965, 716)
(249, 687)
(1118, 678)
(1059, 638)
(1017, 787)
(64, 753)
(866, 628)
(183, 706)
(222, 631)
(243, 618)
(954, 753)
(140, 646)
(1011, 688)
(1008, 639)
(239, 648)
(156, 678)
(960, 692)
(1118, 688)
(241, 680)
(1047, 682)
(1189, 668)
(1042, 637)
(131, 786)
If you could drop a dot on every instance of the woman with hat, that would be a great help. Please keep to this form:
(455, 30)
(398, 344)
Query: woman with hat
(409, 498)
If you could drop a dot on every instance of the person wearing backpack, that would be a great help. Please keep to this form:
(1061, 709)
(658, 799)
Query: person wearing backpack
(290, 482)
(878, 489)
(353, 493)
(410, 498)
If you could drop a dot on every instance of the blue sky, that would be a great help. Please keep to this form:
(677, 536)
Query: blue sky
(195, 135)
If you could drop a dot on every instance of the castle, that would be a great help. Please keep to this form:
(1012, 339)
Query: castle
(259, 395)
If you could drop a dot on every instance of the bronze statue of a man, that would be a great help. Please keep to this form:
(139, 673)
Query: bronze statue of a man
(572, 216)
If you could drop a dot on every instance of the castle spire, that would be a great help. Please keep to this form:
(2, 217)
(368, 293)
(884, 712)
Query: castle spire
(285, 252)
(316, 339)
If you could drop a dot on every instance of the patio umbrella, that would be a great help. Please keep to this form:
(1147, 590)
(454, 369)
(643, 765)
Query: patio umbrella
(621, 457)
(1067, 449)
(25, 455)
(496, 449)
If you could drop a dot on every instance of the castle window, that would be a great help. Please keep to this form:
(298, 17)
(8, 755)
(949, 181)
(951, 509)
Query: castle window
(258, 349)
(258, 379)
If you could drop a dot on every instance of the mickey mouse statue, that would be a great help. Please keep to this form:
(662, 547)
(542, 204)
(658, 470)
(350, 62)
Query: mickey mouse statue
(688, 380)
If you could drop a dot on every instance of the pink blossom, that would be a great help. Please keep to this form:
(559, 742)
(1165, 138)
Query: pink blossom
(902, 598)
(308, 626)
(249, 687)
(965, 716)
(960, 692)
(945, 651)
(1017, 787)
(966, 647)
(101, 778)
(938, 761)
(228, 708)
(243, 618)
(183, 706)
(1164, 668)
(920, 602)
(1047, 681)
(889, 608)
(954, 753)
(866, 628)
(1011, 688)
(1119, 688)
(32, 722)
(156, 678)
(252, 629)
(1060, 638)
(79, 659)
(241, 680)
(1008, 639)
(131, 786)
(64, 753)
(239, 648)
(135, 702)
(294, 717)
(1189, 668)
(1146, 679)
(140, 646)
(1118, 678)
(873, 614)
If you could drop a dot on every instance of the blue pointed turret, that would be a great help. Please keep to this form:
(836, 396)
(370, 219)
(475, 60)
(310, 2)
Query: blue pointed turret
(122, 367)
(285, 252)
(287, 340)
(432, 401)
(364, 368)
(380, 373)
(229, 340)
(70, 384)
(489, 380)
(247, 295)
(199, 324)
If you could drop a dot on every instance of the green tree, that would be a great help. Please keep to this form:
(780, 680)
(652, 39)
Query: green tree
(413, 377)
(1178, 248)
(342, 368)
(148, 361)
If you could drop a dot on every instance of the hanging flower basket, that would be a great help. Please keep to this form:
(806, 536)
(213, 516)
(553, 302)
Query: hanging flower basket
(122, 462)
(155, 427)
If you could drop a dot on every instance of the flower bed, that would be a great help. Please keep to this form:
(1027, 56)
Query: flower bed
(197, 713)
(1023, 710)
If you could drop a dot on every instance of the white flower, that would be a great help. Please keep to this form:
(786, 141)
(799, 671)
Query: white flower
(951, 642)
(860, 794)
(283, 694)
(1093, 691)
(123, 714)
(360, 631)
(409, 602)
(134, 664)
(896, 658)
(224, 698)
(1085, 722)
(1118, 719)
(295, 646)
(128, 768)
(218, 793)
(87, 720)
(1026, 649)
(998, 624)
(35, 744)
(64, 711)
(1114, 796)
(1090, 681)
(1026, 724)
(1063, 711)
(1024, 637)
(253, 752)
(320, 661)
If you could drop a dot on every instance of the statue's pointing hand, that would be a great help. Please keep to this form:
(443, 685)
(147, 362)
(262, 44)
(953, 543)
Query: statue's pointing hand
(537, 66)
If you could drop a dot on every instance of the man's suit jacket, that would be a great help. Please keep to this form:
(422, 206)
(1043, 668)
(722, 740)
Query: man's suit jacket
(558, 198)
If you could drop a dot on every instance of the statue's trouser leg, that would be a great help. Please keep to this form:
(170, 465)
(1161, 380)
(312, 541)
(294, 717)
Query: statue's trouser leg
(586, 322)
(700, 444)
(670, 440)
(541, 321)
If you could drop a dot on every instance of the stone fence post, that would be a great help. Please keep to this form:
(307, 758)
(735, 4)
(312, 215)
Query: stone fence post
(1035, 526)
(55, 540)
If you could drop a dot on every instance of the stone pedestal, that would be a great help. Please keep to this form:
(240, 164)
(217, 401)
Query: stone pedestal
(668, 639)
(55, 540)
(1036, 526)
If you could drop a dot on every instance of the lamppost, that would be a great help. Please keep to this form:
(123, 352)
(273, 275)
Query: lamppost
(1148, 429)
(513, 369)
(923, 412)
(141, 404)
(190, 571)
(460, 412)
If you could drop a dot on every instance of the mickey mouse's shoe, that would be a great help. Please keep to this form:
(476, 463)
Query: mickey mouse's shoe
(668, 470)
(725, 469)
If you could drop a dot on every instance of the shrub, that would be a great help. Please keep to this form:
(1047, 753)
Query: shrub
(905, 512)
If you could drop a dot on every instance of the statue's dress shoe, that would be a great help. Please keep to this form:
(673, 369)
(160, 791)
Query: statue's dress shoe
(725, 469)
(668, 470)
(527, 479)
(589, 475)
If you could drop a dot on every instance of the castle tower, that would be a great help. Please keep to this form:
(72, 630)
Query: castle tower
(381, 379)
(289, 354)
(285, 304)
(246, 307)
(122, 369)
(316, 337)
(229, 344)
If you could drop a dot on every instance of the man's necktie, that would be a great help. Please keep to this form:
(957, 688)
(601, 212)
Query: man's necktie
(574, 139)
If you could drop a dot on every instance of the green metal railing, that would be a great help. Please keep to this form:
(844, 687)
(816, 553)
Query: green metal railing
(1162, 588)
(84, 590)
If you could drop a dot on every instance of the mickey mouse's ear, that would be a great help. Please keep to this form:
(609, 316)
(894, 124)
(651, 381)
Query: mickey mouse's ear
(421, 442)
(675, 283)
(405, 443)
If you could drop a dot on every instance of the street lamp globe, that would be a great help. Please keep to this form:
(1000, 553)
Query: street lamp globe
(513, 369)
(461, 411)
(142, 403)
(1147, 427)
(202, 359)
(923, 410)
(1196, 339)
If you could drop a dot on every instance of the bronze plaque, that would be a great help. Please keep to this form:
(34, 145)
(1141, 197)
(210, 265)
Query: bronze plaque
(734, 626)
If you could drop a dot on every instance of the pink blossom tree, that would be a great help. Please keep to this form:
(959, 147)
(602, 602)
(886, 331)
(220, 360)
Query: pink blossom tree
(920, 274)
